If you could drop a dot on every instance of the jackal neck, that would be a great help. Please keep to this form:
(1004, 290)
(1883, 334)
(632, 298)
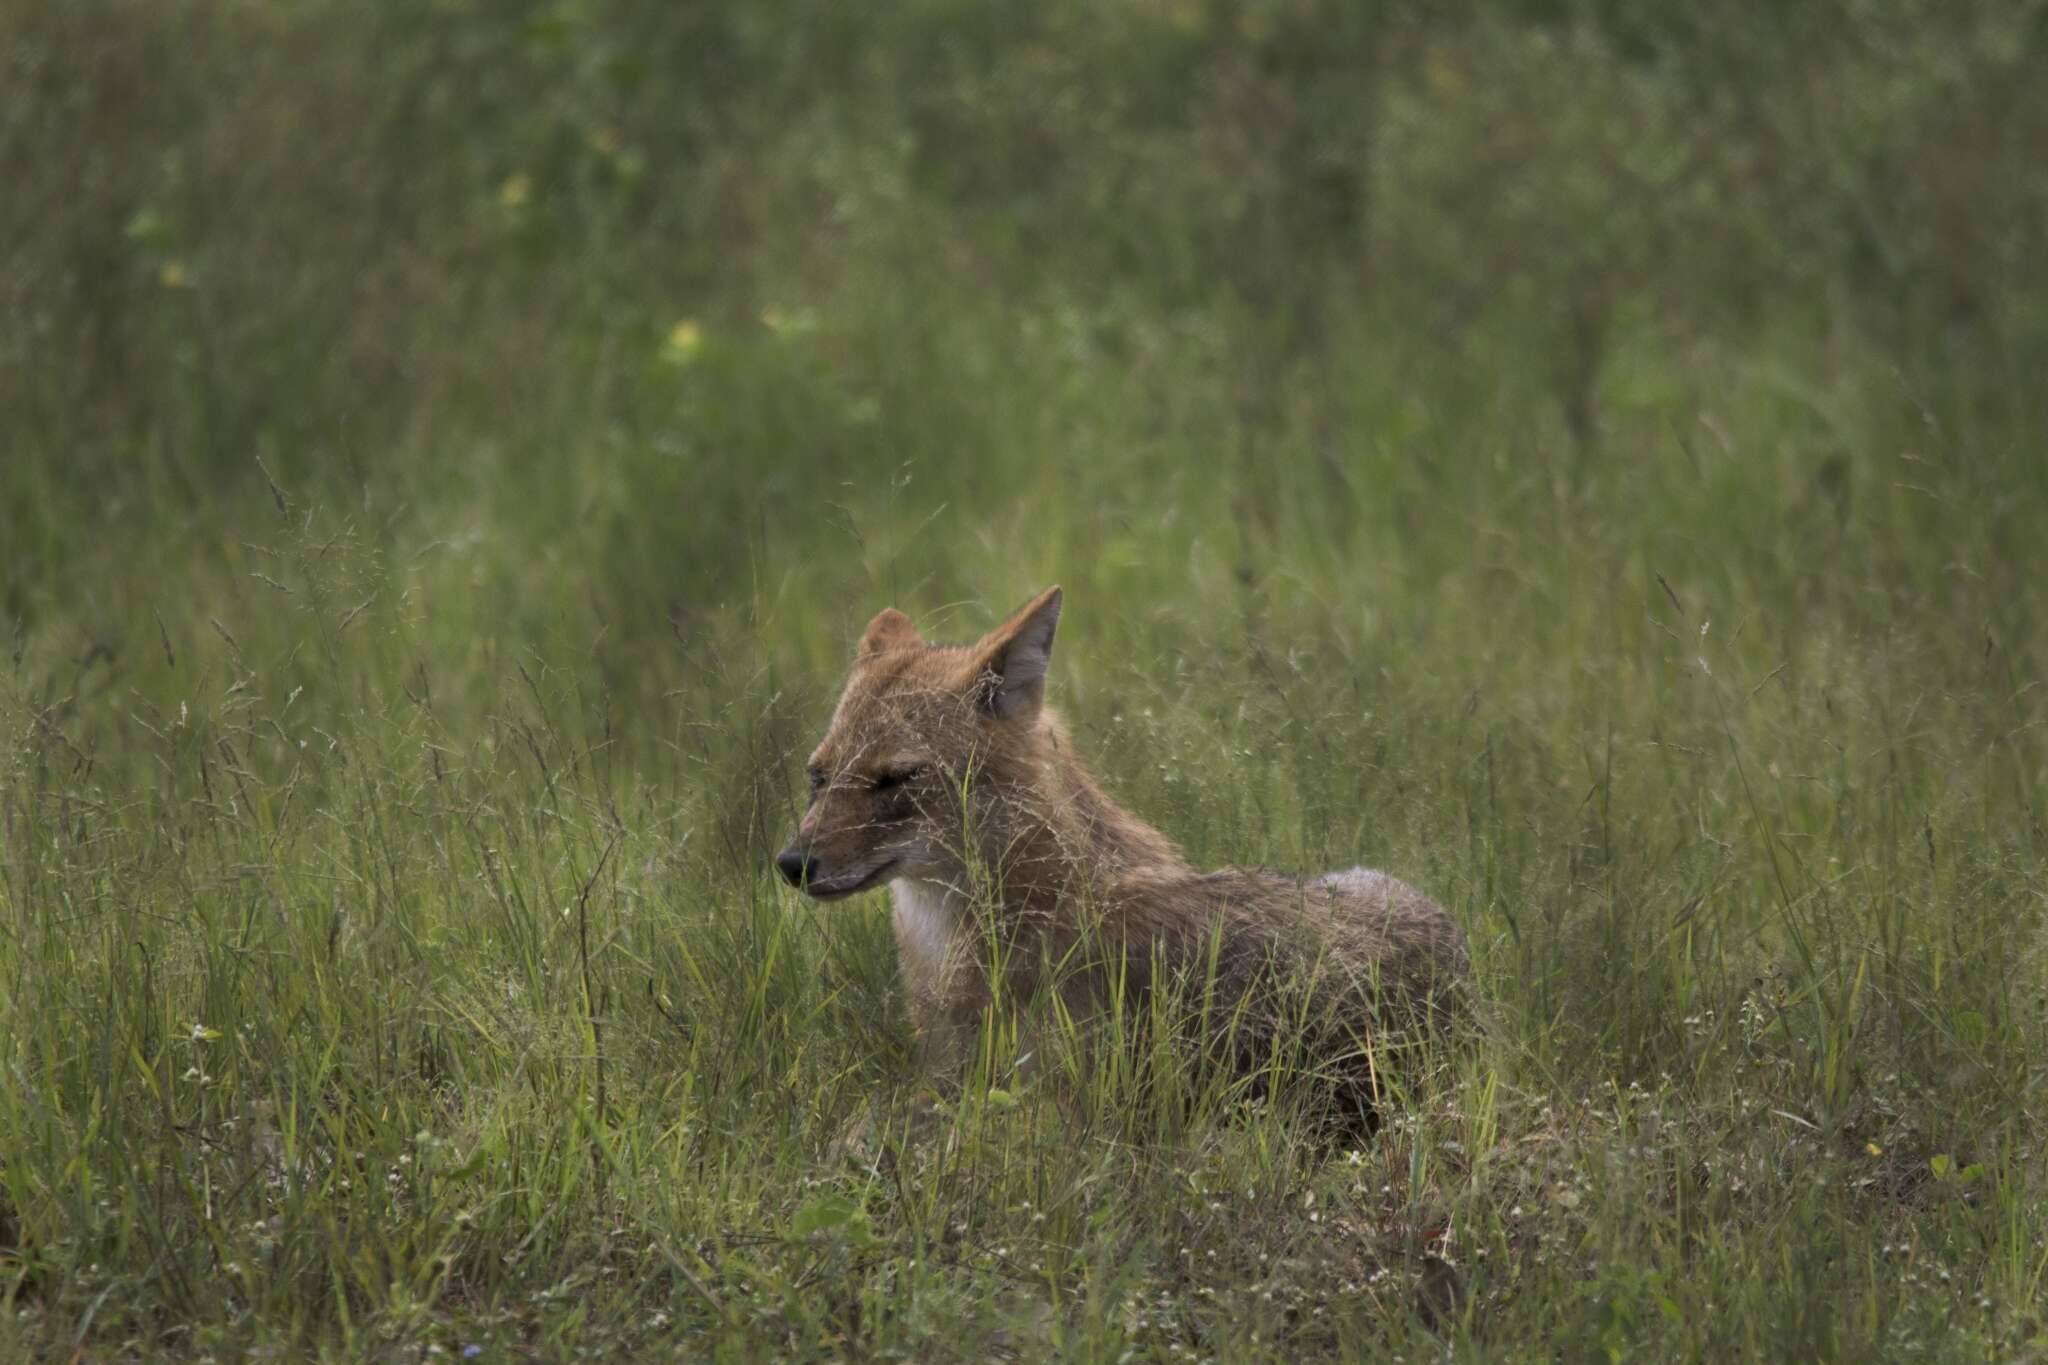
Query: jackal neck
(1065, 833)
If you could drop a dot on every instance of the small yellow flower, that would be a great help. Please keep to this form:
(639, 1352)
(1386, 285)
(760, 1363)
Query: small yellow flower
(1873, 1149)
(172, 275)
(685, 340)
(516, 190)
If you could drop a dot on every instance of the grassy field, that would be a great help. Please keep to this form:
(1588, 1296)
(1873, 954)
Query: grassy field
(1589, 464)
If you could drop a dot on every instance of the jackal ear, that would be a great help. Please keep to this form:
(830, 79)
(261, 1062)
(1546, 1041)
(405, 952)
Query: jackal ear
(890, 629)
(1011, 659)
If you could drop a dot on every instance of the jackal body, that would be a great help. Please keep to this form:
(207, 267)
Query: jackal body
(944, 775)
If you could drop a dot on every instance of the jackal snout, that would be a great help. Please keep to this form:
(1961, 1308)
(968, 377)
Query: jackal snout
(796, 867)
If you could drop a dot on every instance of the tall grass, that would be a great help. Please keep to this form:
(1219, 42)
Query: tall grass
(1586, 463)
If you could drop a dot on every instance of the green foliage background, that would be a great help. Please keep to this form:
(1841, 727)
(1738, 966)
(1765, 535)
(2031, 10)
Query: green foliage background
(1585, 457)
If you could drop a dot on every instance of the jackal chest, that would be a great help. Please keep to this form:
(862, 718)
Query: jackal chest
(929, 919)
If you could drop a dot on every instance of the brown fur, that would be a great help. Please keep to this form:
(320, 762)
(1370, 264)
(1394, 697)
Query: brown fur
(944, 774)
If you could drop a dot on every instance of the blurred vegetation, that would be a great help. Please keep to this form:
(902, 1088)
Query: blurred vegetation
(1584, 456)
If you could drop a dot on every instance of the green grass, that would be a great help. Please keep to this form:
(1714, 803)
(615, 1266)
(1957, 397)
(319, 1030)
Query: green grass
(1589, 466)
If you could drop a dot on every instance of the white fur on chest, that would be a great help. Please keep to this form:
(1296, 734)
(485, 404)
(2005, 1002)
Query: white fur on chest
(927, 919)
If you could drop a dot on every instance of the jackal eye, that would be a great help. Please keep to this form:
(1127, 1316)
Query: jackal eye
(816, 777)
(896, 777)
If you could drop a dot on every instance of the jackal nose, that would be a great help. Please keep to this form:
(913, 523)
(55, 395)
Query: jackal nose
(796, 868)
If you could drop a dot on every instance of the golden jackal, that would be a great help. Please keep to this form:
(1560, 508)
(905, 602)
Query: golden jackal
(944, 774)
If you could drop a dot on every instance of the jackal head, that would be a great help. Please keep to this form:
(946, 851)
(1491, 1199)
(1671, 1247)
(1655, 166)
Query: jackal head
(918, 729)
